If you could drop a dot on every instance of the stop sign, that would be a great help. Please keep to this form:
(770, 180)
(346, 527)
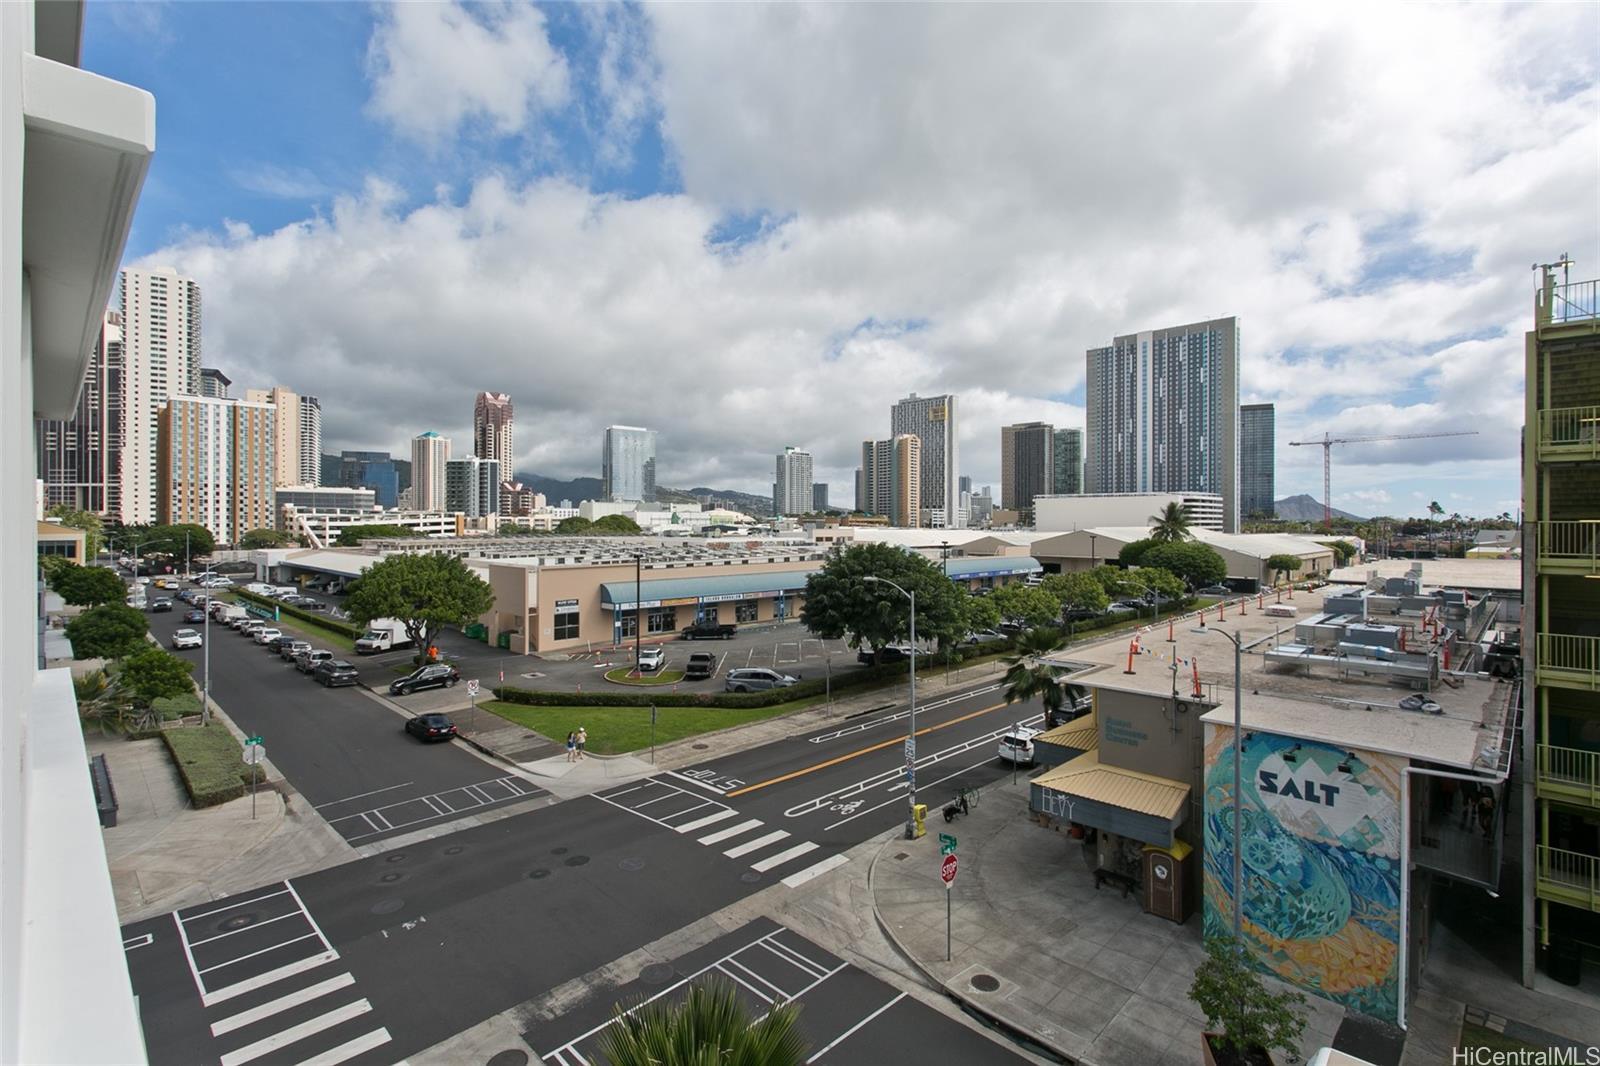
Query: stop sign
(948, 869)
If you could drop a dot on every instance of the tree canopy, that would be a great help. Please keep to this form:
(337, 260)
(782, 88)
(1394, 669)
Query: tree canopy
(616, 525)
(1164, 583)
(1132, 553)
(576, 526)
(1284, 563)
(1027, 678)
(1032, 607)
(424, 591)
(109, 631)
(152, 673)
(351, 536)
(1195, 563)
(979, 611)
(92, 525)
(1171, 524)
(88, 586)
(840, 604)
(265, 538)
(1078, 592)
(1343, 550)
(709, 1025)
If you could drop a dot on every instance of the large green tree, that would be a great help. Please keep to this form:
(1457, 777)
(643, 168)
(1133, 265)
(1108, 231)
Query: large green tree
(92, 525)
(1171, 524)
(425, 591)
(616, 525)
(1283, 563)
(1197, 564)
(708, 1027)
(1032, 607)
(841, 604)
(1028, 678)
(265, 538)
(979, 611)
(352, 536)
(151, 673)
(1077, 592)
(1132, 553)
(88, 586)
(109, 631)
(1164, 583)
(576, 526)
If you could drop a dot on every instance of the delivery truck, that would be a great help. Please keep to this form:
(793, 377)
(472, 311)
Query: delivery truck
(383, 634)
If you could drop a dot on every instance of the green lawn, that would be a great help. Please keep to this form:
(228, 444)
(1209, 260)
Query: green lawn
(614, 730)
(317, 635)
(621, 675)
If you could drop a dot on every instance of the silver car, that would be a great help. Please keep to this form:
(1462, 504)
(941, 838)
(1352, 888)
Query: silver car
(757, 679)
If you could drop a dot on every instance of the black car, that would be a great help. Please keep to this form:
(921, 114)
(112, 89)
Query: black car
(334, 672)
(161, 605)
(434, 675)
(701, 665)
(311, 605)
(194, 616)
(278, 643)
(431, 727)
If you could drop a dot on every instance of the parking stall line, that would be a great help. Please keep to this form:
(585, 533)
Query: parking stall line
(853, 1029)
(282, 1003)
(230, 905)
(263, 951)
(793, 957)
(757, 844)
(246, 929)
(783, 856)
(296, 1033)
(724, 834)
(727, 968)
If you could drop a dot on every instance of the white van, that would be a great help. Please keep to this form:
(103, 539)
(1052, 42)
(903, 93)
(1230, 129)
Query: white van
(1016, 746)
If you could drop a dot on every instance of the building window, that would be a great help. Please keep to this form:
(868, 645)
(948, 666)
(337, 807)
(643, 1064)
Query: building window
(566, 620)
(661, 620)
(630, 626)
(746, 611)
(706, 614)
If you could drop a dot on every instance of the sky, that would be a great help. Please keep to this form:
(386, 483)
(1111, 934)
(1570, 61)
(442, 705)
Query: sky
(756, 225)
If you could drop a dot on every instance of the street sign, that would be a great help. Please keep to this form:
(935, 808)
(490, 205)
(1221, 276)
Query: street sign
(947, 870)
(911, 750)
(254, 754)
(947, 844)
(252, 740)
(472, 687)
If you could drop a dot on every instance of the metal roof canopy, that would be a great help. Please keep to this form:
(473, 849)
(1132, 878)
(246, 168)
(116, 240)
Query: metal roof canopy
(723, 587)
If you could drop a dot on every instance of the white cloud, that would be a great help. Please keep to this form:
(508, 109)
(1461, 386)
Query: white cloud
(436, 67)
(280, 182)
(997, 188)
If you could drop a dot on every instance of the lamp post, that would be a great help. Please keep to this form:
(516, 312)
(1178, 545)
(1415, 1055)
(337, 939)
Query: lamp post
(1238, 793)
(944, 558)
(911, 729)
(638, 622)
(1093, 560)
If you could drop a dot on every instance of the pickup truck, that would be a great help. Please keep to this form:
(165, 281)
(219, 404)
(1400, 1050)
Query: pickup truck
(383, 634)
(707, 631)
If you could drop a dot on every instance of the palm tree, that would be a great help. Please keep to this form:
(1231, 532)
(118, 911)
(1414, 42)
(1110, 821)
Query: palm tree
(1172, 524)
(710, 1025)
(1027, 678)
(1434, 511)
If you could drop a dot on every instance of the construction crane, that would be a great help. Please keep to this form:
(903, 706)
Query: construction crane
(1328, 442)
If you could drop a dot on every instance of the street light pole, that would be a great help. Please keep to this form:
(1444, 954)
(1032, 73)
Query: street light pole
(911, 728)
(638, 622)
(1093, 560)
(1238, 790)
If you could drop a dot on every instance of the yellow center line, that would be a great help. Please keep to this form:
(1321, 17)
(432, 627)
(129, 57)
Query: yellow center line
(836, 760)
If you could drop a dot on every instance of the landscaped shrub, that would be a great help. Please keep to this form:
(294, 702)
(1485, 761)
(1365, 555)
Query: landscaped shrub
(309, 617)
(210, 762)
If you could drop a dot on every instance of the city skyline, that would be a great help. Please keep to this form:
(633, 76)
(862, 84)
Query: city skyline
(1376, 293)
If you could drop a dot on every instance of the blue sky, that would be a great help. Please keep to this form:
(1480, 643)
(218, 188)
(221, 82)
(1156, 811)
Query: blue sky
(759, 225)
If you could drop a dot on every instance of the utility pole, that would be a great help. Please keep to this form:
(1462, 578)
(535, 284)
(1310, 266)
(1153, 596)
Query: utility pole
(638, 621)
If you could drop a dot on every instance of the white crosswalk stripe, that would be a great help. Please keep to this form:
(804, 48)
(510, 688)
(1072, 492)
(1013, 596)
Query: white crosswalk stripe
(757, 844)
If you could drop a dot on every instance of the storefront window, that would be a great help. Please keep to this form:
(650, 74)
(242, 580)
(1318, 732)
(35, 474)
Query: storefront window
(746, 611)
(661, 620)
(566, 620)
(706, 614)
(630, 625)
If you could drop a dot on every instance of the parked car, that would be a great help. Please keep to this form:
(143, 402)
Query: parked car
(651, 660)
(294, 647)
(1016, 746)
(431, 727)
(185, 638)
(162, 604)
(248, 625)
(982, 636)
(335, 672)
(195, 617)
(279, 642)
(307, 661)
(434, 675)
(708, 631)
(1214, 590)
(889, 653)
(757, 679)
(308, 604)
(701, 665)
(203, 576)
(266, 635)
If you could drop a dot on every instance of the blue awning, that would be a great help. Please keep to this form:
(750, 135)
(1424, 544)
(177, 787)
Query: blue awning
(991, 566)
(719, 589)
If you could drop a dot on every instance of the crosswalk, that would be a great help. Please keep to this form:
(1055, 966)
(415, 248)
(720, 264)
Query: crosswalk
(737, 837)
(272, 985)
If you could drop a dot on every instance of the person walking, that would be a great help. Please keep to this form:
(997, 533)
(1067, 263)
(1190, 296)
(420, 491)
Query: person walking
(582, 738)
(572, 746)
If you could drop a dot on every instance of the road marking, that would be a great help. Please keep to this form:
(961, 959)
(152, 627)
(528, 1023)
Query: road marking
(263, 951)
(361, 795)
(848, 1032)
(695, 781)
(282, 1003)
(138, 942)
(837, 759)
(244, 929)
(724, 834)
(230, 905)
(783, 856)
(781, 994)
(896, 799)
(756, 845)
(296, 1033)
(861, 727)
(795, 880)
(710, 819)
(350, 1049)
(789, 954)
(250, 984)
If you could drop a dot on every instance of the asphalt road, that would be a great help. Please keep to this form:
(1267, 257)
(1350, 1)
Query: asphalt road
(343, 749)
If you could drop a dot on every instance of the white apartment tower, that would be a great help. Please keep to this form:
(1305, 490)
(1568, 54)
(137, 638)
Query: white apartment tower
(472, 486)
(217, 465)
(161, 359)
(430, 455)
(932, 420)
(286, 433)
(310, 440)
(791, 488)
(628, 464)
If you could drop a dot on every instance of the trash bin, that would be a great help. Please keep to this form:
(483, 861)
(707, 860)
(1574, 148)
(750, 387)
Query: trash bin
(505, 640)
(476, 631)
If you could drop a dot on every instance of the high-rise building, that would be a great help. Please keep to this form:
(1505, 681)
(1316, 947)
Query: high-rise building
(161, 359)
(905, 481)
(491, 429)
(402, 474)
(791, 489)
(310, 440)
(286, 429)
(1027, 464)
(819, 496)
(517, 499)
(214, 383)
(472, 486)
(628, 464)
(429, 454)
(932, 420)
(364, 470)
(216, 465)
(1560, 641)
(1162, 413)
(80, 459)
(1069, 462)
(1257, 442)
(964, 484)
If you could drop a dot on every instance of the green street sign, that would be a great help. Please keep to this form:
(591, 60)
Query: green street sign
(947, 844)
(257, 740)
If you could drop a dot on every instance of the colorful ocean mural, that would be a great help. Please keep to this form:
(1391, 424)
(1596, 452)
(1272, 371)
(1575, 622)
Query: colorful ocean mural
(1321, 848)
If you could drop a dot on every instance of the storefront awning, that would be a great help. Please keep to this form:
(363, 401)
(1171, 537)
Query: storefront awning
(1111, 799)
(1080, 734)
(718, 589)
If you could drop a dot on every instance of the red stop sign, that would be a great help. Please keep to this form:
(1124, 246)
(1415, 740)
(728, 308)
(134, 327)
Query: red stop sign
(948, 869)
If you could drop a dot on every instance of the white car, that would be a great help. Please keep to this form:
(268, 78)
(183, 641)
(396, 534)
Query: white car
(266, 633)
(651, 660)
(185, 638)
(217, 583)
(1016, 746)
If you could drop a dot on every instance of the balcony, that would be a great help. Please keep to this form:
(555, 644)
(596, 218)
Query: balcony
(1571, 433)
(1568, 661)
(1568, 877)
(1570, 548)
(1560, 305)
(1569, 775)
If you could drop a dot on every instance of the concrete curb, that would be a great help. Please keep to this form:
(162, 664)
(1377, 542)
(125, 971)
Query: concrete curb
(1013, 1031)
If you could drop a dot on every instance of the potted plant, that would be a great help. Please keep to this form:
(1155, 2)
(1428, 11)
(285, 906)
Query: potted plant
(1245, 1020)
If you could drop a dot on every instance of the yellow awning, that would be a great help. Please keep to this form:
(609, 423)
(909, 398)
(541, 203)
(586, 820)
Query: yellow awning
(1087, 778)
(1082, 734)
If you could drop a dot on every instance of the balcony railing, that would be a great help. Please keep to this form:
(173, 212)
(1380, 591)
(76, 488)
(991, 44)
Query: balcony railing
(1568, 661)
(1569, 433)
(1569, 774)
(1568, 877)
(1569, 547)
(1572, 302)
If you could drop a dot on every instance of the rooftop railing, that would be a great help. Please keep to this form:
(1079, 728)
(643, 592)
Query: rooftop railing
(1569, 433)
(1568, 660)
(1572, 302)
(1569, 547)
(1569, 877)
(1569, 773)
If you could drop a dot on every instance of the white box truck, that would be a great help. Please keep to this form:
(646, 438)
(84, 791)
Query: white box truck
(383, 634)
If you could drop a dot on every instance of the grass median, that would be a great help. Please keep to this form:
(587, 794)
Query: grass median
(624, 675)
(615, 730)
(319, 636)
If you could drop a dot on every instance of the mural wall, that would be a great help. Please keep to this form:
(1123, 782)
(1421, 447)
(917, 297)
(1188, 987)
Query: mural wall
(1321, 833)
